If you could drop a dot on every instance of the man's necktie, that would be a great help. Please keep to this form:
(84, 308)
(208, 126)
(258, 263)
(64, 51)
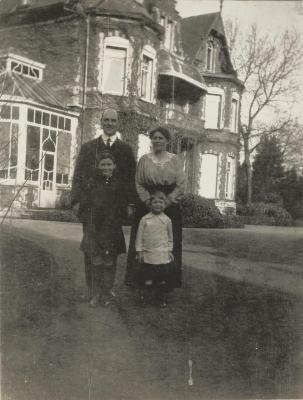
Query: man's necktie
(108, 143)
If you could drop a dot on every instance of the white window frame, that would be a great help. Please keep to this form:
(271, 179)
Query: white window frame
(41, 126)
(11, 121)
(119, 43)
(230, 177)
(202, 190)
(150, 53)
(216, 91)
(169, 26)
(34, 69)
(234, 119)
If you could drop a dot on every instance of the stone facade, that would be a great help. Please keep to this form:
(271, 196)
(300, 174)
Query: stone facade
(83, 46)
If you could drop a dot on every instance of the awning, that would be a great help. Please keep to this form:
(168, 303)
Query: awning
(170, 65)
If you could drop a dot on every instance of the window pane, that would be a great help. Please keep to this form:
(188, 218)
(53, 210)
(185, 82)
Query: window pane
(4, 147)
(212, 111)
(146, 77)
(13, 173)
(5, 112)
(54, 121)
(114, 70)
(45, 119)
(38, 117)
(14, 145)
(63, 153)
(32, 147)
(25, 70)
(16, 67)
(53, 136)
(67, 124)
(234, 115)
(230, 178)
(15, 113)
(49, 163)
(45, 134)
(61, 123)
(30, 115)
(208, 180)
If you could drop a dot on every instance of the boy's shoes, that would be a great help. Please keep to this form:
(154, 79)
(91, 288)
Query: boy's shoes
(94, 301)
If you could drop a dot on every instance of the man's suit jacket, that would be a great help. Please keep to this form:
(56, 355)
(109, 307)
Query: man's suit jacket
(87, 161)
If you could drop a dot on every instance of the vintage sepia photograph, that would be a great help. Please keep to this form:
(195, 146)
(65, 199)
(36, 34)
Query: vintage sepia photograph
(151, 199)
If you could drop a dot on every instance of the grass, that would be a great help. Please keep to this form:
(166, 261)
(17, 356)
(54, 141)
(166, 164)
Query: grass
(275, 245)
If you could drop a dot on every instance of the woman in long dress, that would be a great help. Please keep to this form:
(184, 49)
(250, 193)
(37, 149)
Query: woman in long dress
(159, 170)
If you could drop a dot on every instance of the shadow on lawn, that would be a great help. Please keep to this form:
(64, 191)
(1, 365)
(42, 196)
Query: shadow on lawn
(245, 341)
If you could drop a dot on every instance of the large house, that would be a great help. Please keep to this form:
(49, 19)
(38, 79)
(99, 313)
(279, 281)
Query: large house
(62, 62)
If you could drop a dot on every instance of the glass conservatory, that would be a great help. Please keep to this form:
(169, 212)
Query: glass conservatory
(37, 137)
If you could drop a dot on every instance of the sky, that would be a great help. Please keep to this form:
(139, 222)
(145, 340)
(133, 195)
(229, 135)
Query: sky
(271, 16)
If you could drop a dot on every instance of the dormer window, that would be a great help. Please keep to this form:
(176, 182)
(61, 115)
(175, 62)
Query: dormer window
(24, 66)
(210, 56)
(169, 37)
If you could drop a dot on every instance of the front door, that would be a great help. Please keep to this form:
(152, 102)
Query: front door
(47, 181)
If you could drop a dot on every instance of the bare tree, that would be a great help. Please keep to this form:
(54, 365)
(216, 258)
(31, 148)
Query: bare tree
(299, 6)
(267, 66)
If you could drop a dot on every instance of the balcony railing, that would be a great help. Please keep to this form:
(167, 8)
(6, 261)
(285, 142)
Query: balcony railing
(184, 121)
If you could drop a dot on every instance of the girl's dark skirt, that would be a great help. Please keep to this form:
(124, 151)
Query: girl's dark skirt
(158, 274)
(174, 278)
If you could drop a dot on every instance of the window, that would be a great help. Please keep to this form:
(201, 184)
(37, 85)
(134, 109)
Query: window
(213, 111)
(210, 56)
(25, 68)
(147, 73)
(48, 148)
(169, 37)
(230, 177)
(234, 114)
(9, 132)
(63, 157)
(32, 153)
(114, 77)
(168, 42)
(208, 180)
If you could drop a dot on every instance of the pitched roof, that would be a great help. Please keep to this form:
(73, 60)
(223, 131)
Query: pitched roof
(16, 85)
(195, 29)
(125, 7)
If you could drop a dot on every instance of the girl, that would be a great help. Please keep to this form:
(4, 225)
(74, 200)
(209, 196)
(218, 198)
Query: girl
(154, 246)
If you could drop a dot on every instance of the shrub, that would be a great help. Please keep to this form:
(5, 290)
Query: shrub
(270, 197)
(264, 214)
(199, 212)
(232, 221)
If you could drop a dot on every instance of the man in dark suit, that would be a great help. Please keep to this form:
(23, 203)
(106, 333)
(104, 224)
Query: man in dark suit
(86, 166)
(86, 161)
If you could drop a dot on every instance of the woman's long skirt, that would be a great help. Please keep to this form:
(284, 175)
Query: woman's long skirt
(175, 279)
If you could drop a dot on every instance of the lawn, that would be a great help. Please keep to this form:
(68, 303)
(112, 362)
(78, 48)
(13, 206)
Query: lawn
(245, 340)
(265, 244)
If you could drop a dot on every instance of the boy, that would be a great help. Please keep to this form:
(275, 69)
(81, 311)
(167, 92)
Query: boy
(154, 245)
(102, 208)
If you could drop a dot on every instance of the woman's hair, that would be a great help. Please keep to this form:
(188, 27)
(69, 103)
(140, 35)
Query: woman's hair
(105, 154)
(164, 131)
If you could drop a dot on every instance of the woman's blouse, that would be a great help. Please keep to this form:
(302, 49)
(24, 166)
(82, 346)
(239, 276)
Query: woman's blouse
(167, 172)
